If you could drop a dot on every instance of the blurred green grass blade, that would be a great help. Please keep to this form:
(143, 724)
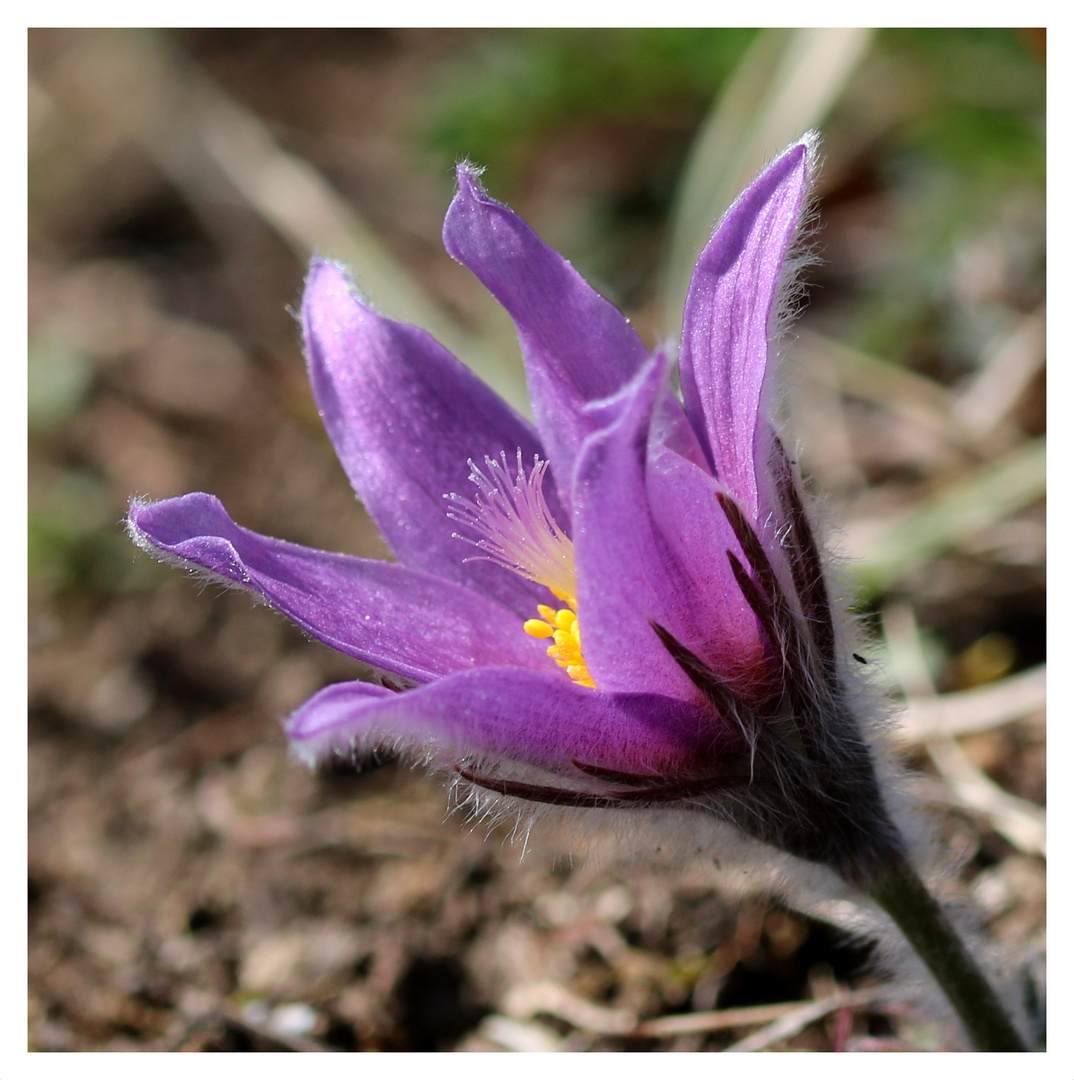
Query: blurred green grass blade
(953, 515)
(214, 149)
(890, 386)
(785, 85)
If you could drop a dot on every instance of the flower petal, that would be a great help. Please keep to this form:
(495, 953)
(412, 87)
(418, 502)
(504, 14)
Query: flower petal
(405, 416)
(727, 321)
(577, 346)
(401, 620)
(721, 628)
(628, 574)
(540, 720)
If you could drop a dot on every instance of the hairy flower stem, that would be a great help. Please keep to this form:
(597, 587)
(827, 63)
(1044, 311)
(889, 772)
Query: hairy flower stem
(903, 895)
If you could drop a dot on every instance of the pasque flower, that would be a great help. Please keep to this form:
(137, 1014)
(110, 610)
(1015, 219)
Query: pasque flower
(621, 606)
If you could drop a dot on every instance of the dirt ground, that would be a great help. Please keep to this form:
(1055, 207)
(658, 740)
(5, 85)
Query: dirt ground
(193, 889)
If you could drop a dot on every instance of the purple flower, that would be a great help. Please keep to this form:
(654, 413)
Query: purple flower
(622, 606)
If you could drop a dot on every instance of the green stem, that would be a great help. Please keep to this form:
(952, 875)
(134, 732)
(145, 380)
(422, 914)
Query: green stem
(902, 894)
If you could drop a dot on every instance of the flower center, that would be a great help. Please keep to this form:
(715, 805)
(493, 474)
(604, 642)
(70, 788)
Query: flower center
(519, 533)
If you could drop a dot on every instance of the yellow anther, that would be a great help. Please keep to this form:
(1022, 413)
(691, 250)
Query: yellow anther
(566, 648)
(514, 528)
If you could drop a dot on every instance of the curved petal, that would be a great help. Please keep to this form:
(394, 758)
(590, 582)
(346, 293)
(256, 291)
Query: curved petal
(541, 720)
(387, 615)
(577, 346)
(628, 575)
(405, 416)
(727, 321)
(694, 528)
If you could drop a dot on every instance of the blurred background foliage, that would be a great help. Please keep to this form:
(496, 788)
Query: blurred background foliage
(180, 179)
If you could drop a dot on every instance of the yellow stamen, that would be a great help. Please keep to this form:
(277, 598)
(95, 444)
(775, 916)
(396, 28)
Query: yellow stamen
(518, 532)
(566, 648)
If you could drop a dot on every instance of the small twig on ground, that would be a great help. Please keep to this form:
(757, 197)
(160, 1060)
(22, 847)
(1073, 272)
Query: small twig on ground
(804, 1015)
(721, 1019)
(979, 709)
(526, 1001)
